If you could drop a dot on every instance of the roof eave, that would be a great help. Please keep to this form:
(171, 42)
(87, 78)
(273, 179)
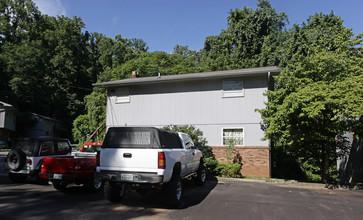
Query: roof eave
(191, 76)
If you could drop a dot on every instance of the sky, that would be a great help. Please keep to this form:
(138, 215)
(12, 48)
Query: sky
(163, 24)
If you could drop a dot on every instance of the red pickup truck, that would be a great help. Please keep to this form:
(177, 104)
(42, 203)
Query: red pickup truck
(78, 168)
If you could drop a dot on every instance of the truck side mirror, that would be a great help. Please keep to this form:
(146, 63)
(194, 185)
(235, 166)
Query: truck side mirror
(199, 147)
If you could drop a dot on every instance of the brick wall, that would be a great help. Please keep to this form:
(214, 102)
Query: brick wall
(256, 160)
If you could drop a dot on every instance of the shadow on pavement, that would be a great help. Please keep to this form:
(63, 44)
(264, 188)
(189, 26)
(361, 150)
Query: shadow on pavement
(33, 201)
(193, 195)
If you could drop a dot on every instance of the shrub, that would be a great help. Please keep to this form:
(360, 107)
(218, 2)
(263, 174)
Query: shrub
(229, 170)
(210, 163)
(209, 160)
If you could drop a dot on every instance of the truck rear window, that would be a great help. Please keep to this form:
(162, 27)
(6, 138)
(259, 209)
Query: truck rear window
(141, 137)
(134, 138)
(27, 146)
(130, 138)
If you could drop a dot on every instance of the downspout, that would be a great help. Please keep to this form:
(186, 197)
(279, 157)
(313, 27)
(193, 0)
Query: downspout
(269, 140)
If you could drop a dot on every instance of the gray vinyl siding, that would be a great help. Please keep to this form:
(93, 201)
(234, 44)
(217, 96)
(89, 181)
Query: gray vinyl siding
(198, 103)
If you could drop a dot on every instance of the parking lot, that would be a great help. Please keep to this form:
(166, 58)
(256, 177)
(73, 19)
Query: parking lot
(218, 199)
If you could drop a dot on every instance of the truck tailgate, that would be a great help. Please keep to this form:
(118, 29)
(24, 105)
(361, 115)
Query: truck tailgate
(68, 165)
(137, 160)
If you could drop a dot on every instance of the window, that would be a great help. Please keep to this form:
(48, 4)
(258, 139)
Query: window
(47, 148)
(235, 135)
(122, 95)
(170, 140)
(188, 142)
(232, 88)
(27, 146)
(63, 147)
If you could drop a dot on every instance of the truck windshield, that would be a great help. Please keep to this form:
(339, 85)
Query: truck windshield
(27, 146)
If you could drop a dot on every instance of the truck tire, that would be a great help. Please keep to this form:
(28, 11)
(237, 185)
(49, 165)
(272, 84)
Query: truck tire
(94, 184)
(175, 191)
(201, 177)
(16, 159)
(17, 178)
(60, 186)
(114, 192)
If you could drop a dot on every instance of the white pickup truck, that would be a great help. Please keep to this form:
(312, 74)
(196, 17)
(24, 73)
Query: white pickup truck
(143, 158)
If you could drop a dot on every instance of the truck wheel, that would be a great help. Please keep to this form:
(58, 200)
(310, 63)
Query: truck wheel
(94, 184)
(60, 186)
(16, 159)
(201, 177)
(175, 191)
(17, 178)
(114, 192)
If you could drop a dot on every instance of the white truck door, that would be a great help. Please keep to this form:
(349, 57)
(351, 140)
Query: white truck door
(191, 152)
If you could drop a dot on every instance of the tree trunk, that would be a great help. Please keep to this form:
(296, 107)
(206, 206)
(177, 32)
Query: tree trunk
(326, 165)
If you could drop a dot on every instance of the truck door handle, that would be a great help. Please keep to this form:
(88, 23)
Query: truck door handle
(127, 155)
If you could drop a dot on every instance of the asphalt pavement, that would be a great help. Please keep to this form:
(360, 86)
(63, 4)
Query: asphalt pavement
(4, 169)
(220, 198)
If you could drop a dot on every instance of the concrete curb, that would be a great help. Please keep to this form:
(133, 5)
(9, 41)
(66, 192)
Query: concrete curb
(355, 186)
(224, 179)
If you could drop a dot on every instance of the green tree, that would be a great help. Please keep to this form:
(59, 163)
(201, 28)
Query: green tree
(107, 57)
(44, 61)
(249, 36)
(18, 23)
(85, 125)
(318, 95)
(316, 34)
(151, 64)
(191, 130)
(209, 159)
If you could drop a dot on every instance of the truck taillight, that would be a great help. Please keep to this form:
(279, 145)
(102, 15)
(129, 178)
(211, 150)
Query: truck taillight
(161, 160)
(29, 163)
(98, 158)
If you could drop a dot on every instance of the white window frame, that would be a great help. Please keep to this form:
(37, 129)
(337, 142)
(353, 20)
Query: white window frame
(233, 88)
(122, 95)
(233, 128)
